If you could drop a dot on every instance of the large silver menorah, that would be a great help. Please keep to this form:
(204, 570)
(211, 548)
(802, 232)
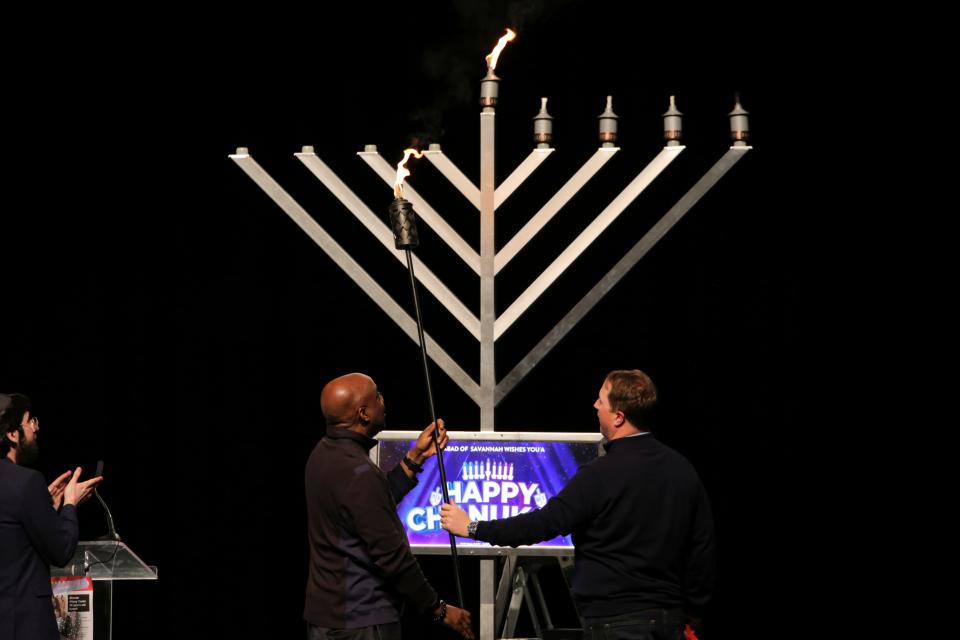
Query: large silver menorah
(487, 198)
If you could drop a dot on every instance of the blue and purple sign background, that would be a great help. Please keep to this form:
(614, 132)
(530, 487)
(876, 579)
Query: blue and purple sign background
(490, 479)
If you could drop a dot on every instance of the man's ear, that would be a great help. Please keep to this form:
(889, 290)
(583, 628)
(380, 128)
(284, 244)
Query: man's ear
(13, 437)
(620, 419)
(363, 415)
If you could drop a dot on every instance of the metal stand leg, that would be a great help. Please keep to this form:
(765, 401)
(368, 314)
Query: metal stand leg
(535, 581)
(487, 631)
(503, 589)
(520, 583)
(110, 609)
(530, 605)
(516, 601)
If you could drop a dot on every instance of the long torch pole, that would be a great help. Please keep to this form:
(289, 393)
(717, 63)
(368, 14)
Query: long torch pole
(404, 222)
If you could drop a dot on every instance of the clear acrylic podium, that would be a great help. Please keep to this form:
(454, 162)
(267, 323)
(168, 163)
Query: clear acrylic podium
(105, 561)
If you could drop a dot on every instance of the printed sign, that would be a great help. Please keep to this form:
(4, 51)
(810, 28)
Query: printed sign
(73, 606)
(489, 480)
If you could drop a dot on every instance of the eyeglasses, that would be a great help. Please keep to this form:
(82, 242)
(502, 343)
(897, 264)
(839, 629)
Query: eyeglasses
(34, 422)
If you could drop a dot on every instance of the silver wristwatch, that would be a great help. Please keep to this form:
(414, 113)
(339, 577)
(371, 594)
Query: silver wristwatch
(472, 529)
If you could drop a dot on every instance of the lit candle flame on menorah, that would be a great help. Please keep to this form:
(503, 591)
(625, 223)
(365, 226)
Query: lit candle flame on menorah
(489, 327)
(403, 172)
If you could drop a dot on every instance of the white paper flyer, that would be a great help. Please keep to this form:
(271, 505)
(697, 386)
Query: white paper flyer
(73, 606)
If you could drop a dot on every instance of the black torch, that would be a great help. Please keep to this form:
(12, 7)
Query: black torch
(403, 221)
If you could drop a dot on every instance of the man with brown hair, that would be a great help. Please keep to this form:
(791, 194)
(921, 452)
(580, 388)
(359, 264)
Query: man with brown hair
(361, 567)
(640, 519)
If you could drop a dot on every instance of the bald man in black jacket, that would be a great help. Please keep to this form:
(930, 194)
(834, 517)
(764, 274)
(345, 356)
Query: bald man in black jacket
(362, 570)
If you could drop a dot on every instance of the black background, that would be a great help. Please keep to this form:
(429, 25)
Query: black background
(165, 315)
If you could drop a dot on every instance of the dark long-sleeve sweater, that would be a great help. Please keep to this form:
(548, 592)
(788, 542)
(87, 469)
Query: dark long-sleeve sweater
(361, 567)
(641, 525)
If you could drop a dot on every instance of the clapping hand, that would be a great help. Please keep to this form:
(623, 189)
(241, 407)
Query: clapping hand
(77, 492)
(57, 488)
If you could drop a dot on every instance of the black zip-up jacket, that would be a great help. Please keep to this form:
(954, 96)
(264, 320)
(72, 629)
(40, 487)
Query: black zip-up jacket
(642, 530)
(361, 566)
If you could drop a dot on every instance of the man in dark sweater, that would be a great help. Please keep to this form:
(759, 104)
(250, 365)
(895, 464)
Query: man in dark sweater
(361, 567)
(640, 519)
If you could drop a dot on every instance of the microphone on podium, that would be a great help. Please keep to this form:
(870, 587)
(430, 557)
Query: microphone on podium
(111, 530)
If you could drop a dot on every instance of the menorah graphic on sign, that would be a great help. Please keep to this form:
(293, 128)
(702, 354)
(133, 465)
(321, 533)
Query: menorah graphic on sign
(487, 198)
(489, 470)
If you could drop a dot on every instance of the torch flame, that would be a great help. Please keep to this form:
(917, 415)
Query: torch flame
(403, 172)
(501, 43)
